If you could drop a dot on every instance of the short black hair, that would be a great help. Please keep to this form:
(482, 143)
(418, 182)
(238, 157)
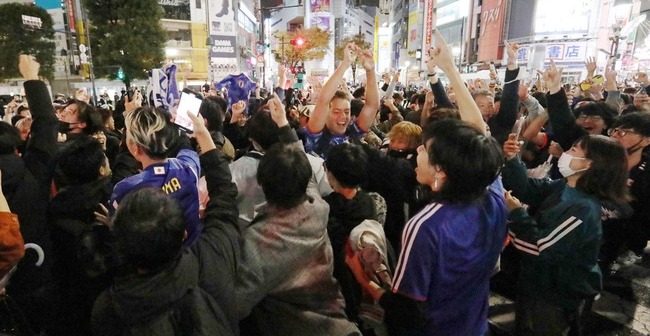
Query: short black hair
(261, 128)
(358, 93)
(422, 98)
(212, 112)
(471, 160)
(599, 108)
(88, 114)
(149, 227)
(637, 121)
(348, 163)
(9, 138)
(78, 161)
(284, 173)
(356, 105)
(105, 114)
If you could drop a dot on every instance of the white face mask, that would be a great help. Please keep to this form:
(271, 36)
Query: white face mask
(564, 165)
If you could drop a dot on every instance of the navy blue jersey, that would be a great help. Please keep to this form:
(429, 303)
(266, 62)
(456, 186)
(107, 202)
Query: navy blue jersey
(449, 252)
(177, 177)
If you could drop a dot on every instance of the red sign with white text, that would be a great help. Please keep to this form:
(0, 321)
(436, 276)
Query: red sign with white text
(71, 21)
(492, 17)
(428, 23)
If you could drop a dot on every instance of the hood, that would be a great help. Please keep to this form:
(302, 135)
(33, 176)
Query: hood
(13, 170)
(80, 201)
(351, 212)
(140, 297)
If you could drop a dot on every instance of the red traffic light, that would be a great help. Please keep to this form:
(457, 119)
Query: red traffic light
(298, 42)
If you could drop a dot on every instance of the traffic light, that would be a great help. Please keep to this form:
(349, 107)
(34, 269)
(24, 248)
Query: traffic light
(298, 42)
(120, 73)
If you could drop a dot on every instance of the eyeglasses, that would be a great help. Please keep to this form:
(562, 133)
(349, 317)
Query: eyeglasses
(584, 117)
(621, 132)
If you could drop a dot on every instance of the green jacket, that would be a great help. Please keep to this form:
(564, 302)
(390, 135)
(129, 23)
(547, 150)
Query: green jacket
(559, 243)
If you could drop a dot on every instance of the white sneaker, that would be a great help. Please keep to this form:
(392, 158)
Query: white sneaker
(628, 258)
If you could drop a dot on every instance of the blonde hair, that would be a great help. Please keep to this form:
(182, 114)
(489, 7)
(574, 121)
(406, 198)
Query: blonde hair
(408, 131)
(150, 129)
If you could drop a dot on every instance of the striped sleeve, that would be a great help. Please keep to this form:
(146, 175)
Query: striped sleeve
(552, 241)
(418, 256)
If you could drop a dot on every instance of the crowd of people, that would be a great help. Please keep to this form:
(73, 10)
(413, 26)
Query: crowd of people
(373, 212)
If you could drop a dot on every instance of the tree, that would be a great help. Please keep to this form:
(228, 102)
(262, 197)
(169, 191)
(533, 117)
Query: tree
(314, 47)
(360, 41)
(126, 34)
(17, 38)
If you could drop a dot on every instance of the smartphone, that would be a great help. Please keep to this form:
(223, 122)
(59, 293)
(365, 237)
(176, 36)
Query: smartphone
(189, 103)
(492, 68)
(520, 125)
(18, 99)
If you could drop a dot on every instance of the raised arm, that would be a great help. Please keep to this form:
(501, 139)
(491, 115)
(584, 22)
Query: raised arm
(501, 124)
(467, 108)
(440, 98)
(319, 115)
(42, 144)
(371, 107)
(562, 120)
(613, 94)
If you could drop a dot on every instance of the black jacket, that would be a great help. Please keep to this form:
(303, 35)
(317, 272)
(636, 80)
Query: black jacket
(26, 182)
(344, 216)
(70, 216)
(211, 261)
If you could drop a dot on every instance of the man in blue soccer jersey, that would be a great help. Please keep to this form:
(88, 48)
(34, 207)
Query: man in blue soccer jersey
(149, 137)
(330, 122)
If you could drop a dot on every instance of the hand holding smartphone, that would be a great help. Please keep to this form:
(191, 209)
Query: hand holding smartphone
(190, 103)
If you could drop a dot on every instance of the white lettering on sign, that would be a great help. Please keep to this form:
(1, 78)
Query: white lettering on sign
(223, 49)
(490, 15)
(32, 21)
(168, 2)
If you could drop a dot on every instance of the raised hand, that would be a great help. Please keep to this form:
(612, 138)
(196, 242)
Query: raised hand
(610, 77)
(238, 109)
(511, 50)
(132, 105)
(396, 76)
(591, 66)
(441, 55)
(350, 53)
(277, 111)
(366, 59)
(28, 67)
(511, 147)
(553, 78)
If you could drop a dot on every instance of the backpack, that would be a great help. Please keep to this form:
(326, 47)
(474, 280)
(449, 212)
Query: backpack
(192, 315)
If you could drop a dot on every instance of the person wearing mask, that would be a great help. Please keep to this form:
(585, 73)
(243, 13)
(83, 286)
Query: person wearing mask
(559, 235)
(450, 248)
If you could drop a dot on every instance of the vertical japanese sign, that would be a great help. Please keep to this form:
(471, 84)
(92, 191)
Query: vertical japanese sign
(428, 23)
(71, 20)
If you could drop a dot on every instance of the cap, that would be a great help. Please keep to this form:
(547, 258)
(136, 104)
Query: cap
(306, 110)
